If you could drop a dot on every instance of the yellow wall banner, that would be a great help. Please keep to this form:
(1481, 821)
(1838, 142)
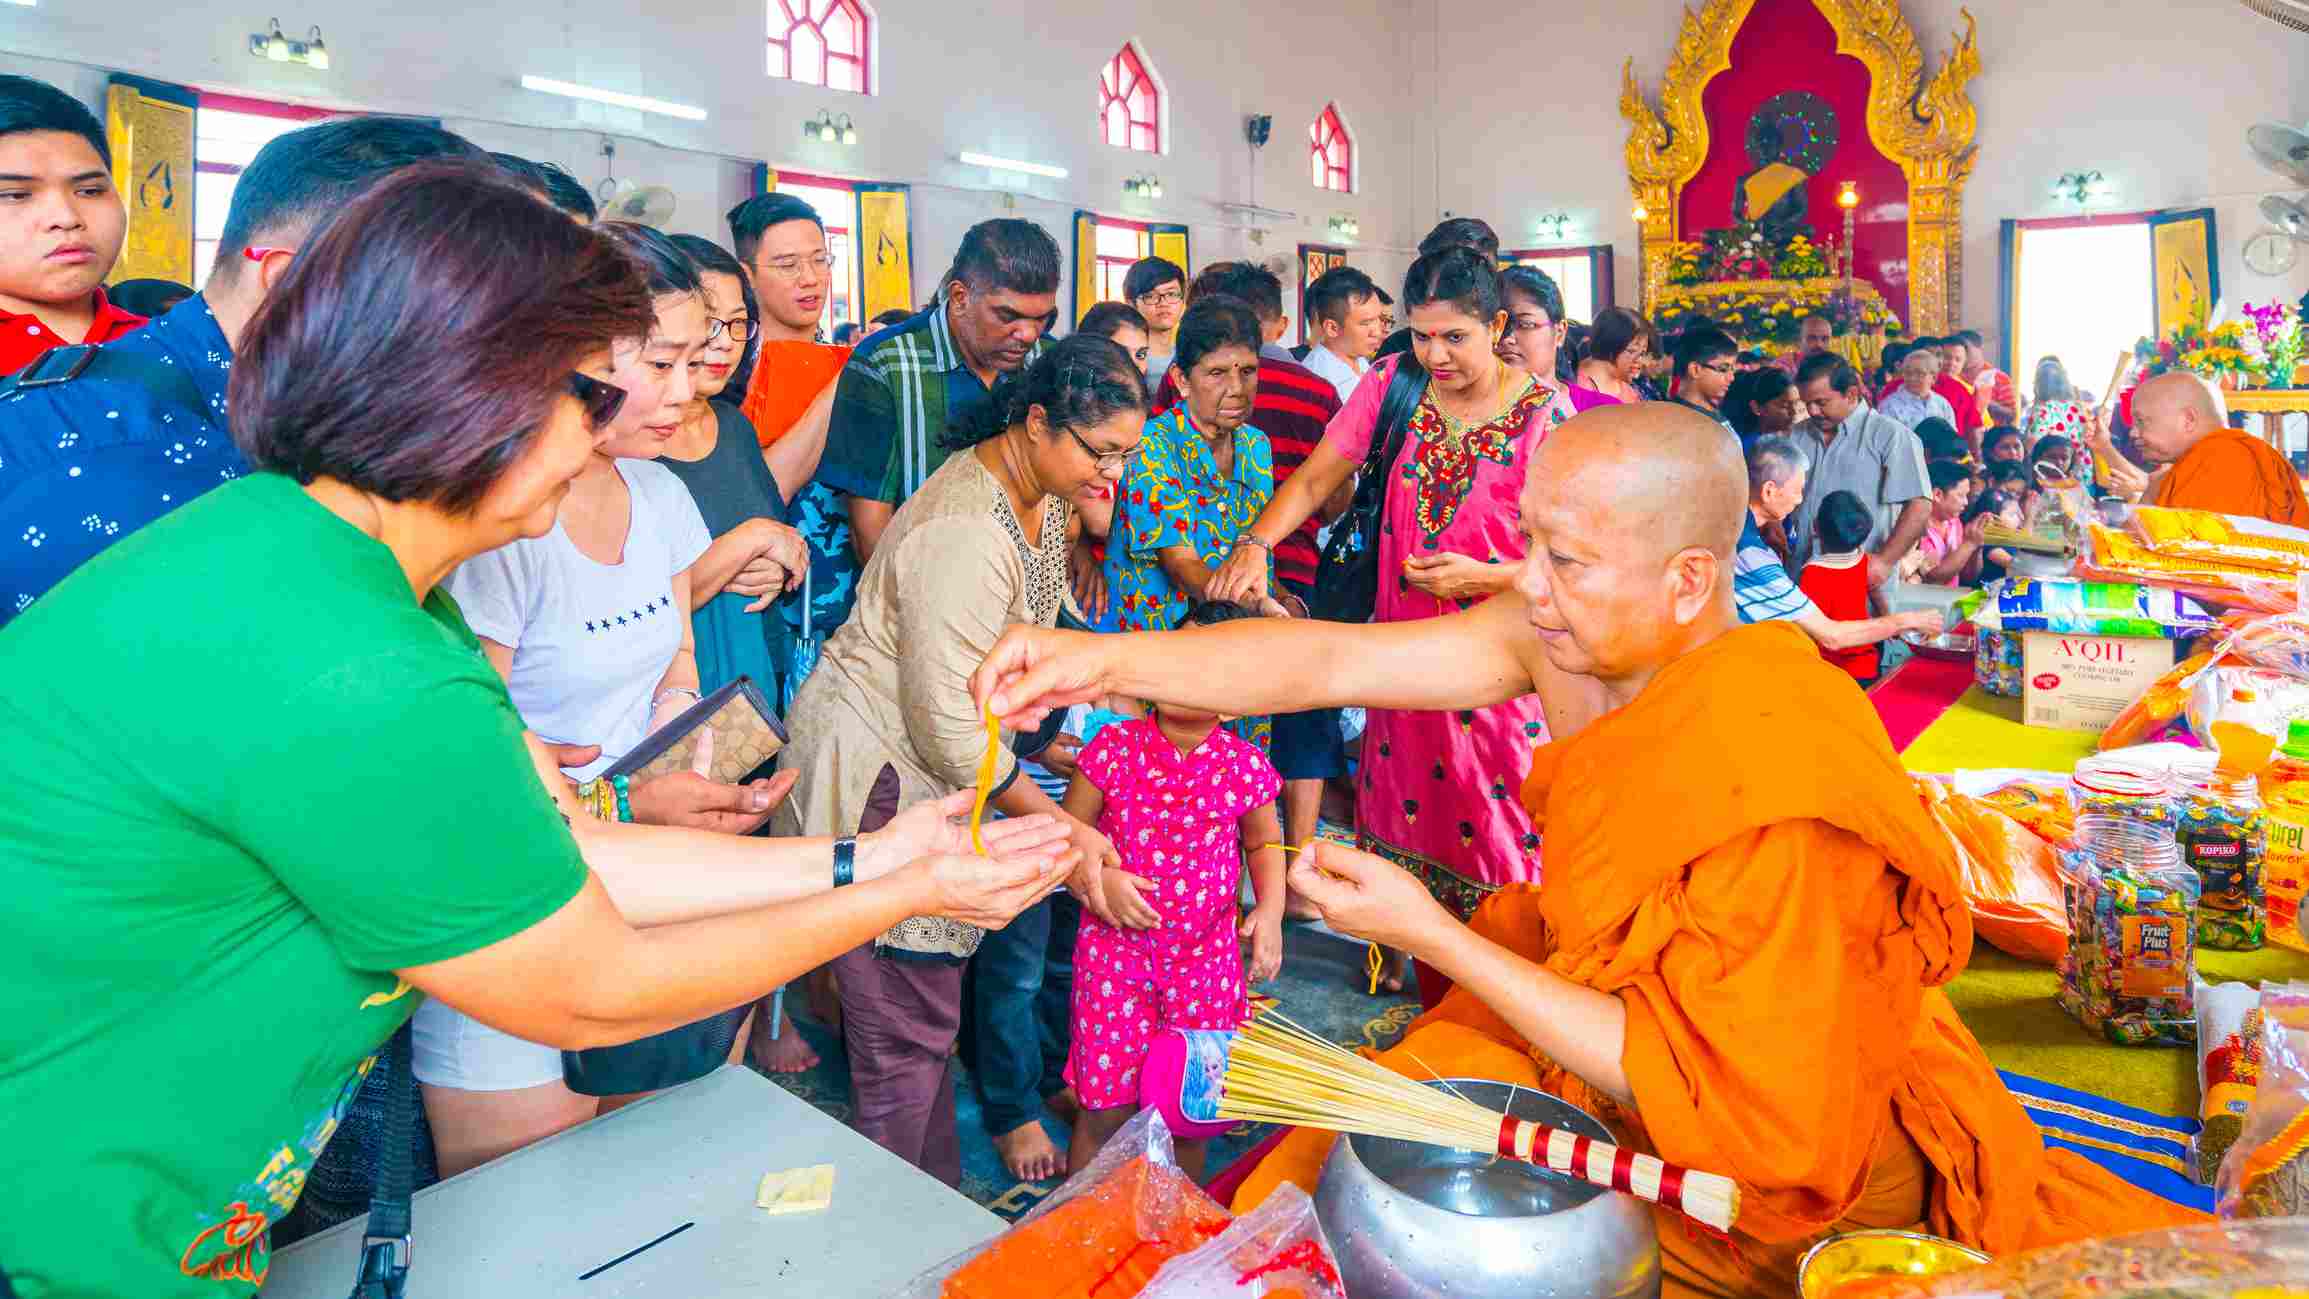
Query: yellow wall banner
(150, 128)
(1085, 263)
(2188, 274)
(1170, 244)
(885, 255)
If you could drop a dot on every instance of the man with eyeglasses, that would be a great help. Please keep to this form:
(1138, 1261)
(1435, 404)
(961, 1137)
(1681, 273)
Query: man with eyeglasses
(1157, 286)
(97, 442)
(1707, 360)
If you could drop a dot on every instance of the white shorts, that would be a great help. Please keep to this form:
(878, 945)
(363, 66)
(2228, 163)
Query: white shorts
(453, 1049)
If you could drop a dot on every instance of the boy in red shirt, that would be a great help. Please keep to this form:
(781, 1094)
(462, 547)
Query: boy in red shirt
(61, 228)
(1837, 580)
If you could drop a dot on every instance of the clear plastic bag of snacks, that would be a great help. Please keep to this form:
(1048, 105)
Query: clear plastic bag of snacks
(1102, 1235)
(1276, 1251)
(2115, 556)
(2132, 914)
(2266, 1173)
(1997, 662)
(2202, 534)
(2223, 1260)
(2228, 1069)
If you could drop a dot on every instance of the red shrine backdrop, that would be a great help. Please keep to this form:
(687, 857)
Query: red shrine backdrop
(1788, 45)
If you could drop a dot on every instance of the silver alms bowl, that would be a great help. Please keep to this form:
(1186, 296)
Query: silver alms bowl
(1413, 1221)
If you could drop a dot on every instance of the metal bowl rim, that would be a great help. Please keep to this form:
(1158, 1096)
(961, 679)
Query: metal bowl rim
(1804, 1265)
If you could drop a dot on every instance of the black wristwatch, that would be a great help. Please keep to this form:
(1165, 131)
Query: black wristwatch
(845, 860)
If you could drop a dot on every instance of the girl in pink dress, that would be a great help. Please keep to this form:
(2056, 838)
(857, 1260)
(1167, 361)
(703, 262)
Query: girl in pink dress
(1185, 801)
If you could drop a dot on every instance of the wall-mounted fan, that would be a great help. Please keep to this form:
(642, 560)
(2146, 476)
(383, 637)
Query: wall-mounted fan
(2285, 150)
(2292, 13)
(623, 200)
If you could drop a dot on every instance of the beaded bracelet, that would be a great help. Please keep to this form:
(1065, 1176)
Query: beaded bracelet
(605, 797)
(624, 807)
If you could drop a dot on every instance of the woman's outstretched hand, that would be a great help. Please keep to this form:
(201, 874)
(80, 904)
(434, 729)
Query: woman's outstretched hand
(988, 892)
(941, 827)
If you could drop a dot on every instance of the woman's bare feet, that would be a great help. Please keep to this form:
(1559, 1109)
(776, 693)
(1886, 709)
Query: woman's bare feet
(1029, 1153)
(789, 1052)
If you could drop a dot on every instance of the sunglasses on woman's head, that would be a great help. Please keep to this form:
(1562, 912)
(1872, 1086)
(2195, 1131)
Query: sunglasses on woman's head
(602, 400)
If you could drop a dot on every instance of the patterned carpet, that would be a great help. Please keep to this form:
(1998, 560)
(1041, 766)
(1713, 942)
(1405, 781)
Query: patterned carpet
(1321, 987)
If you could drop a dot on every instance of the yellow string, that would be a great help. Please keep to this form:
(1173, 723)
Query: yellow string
(985, 781)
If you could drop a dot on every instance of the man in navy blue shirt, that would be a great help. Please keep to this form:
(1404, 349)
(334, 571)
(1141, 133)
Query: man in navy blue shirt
(96, 444)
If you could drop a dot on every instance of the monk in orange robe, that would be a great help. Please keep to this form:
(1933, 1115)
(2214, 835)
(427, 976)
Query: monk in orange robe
(1736, 954)
(2181, 421)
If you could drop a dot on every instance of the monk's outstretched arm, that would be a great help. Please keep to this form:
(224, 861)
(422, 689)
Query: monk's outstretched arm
(1272, 665)
(1579, 1028)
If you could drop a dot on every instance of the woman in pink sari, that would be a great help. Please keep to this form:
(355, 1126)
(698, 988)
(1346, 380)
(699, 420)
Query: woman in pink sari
(1438, 790)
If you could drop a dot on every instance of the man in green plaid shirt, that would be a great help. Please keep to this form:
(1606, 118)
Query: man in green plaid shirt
(907, 385)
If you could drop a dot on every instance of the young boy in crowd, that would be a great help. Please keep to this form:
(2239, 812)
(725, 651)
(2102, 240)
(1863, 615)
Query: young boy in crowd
(1837, 580)
(62, 232)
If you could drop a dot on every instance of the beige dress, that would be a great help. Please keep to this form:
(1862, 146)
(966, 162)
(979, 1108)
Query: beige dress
(893, 685)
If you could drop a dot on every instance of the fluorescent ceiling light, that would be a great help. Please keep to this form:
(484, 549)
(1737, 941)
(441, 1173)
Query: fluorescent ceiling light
(642, 102)
(26, 3)
(1012, 164)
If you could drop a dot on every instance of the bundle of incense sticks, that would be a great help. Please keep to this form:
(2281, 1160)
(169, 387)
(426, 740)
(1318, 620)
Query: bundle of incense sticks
(1278, 1072)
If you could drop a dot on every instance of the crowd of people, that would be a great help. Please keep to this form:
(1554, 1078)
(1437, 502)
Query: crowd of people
(338, 590)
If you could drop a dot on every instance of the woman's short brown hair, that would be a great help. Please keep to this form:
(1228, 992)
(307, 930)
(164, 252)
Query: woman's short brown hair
(425, 334)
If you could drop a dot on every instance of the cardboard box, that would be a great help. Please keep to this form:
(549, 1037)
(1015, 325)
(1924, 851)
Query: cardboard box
(2081, 683)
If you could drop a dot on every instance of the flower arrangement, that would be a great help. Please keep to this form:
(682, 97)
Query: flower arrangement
(2275, 342)
(1741, 252)
(1802, 260)
(2217, 353)
(1759, 314)
(1683, 264)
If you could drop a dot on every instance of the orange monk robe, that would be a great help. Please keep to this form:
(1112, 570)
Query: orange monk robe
(1779, 945)
(788, 376)
(2233, 472)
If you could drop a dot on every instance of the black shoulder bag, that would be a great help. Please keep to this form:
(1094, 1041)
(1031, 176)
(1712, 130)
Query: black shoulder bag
(1347, 579)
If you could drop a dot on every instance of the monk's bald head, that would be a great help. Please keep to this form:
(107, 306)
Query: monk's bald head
(2173, 412)
(1665, 477)
(1632, 514)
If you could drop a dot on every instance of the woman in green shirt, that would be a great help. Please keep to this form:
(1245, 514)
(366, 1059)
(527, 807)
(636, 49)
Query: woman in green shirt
(263, 785)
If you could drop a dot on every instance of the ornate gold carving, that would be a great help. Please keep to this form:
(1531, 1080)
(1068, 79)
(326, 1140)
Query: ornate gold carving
(1923, 123)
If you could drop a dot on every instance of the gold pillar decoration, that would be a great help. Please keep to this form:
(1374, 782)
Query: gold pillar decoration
(150, 129)
(1925, 124)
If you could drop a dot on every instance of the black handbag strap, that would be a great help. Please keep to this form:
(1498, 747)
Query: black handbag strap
(1404, 389)
(384, 1270)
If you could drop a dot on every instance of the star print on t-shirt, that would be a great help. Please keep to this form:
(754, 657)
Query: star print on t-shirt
(649, 610)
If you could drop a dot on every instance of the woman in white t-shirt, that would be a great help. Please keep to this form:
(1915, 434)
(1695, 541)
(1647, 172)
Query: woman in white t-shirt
(590, 626)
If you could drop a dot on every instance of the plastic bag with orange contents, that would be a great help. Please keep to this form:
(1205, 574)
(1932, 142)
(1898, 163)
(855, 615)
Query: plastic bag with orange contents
(1102, 1235)
(2159, 706)
(1276, 1251)
(2012, 878)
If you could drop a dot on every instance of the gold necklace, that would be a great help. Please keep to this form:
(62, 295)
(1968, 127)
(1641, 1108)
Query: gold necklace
(1456, 427)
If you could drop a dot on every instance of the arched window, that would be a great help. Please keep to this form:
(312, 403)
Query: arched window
(1331, 152)
(822, 43)
(1130, 104)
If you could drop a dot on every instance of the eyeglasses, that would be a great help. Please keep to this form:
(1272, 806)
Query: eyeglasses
(1721, 367)
(1104, 459)
(739, 328)
(1170, 297)
(602, 400)
(791, 268)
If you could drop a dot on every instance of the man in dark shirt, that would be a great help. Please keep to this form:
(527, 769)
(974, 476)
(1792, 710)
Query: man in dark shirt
(61, 224)
(95, 444)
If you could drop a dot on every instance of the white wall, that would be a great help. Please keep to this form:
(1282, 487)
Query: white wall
(1010, 78)
(2157, 96)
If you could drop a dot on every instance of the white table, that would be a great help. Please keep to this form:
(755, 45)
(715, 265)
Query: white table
(526, 1225)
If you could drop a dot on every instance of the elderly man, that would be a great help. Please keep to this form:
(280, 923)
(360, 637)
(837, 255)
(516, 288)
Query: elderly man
(2180, 420)
(1813, 335)
(1761, 588)
(1750, 987)
(1856, 449)
(1914, 401)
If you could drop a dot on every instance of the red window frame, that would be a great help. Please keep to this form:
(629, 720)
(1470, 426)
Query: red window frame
(1331, 152)
(813, 14)
(256, 108)
(1126, 82)
(1117, 267)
